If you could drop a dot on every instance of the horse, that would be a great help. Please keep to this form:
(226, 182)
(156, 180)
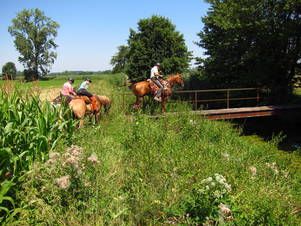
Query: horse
(140, 89)
(82, 105)
(106, 103)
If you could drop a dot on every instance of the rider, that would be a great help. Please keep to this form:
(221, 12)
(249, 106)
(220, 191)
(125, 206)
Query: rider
(154, 76)
(82, 91)
(83, 88)
(67, 91)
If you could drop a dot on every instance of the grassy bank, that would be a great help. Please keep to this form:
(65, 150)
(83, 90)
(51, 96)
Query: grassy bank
(134, 170)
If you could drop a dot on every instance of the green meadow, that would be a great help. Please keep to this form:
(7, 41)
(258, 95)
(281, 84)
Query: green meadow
(131, 169)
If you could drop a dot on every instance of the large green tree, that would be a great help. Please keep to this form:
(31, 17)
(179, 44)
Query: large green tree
(119, 60)
(252, 42)
(9, 71)
(34, 35)
(155, 41)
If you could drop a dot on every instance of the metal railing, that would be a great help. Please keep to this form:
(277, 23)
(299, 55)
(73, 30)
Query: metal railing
(227, 93)
(194, 97)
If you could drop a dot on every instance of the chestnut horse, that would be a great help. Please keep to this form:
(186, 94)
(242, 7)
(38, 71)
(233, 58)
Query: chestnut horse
(82, 105)
(140, 89)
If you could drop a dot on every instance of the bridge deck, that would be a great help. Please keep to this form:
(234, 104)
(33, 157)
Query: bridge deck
(246, 112)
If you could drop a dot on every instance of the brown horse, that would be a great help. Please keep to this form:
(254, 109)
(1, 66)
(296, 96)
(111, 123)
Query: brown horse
(82, 106)
(106, 103)
(140, 89)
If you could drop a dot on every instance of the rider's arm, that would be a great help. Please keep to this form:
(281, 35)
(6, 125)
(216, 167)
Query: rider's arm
(71, 90)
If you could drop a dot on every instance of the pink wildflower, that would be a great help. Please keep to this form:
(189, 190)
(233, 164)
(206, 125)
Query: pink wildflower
(63, 182)
(75, 150)
(224, 209)
(93, 158)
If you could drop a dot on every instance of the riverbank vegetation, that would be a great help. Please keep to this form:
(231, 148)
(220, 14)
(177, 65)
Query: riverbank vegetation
(132, 169)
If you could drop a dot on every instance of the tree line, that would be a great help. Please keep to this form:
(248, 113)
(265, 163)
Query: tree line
(246, 42)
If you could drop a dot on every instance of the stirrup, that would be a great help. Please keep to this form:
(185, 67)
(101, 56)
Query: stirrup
(159, 99)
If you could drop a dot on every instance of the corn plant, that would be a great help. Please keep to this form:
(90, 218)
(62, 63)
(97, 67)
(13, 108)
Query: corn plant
(29, 130)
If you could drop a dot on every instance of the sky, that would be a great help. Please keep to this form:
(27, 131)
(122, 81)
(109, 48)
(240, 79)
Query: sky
(91, 30)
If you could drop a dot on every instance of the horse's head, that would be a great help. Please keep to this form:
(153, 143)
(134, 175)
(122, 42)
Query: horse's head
(176, 79)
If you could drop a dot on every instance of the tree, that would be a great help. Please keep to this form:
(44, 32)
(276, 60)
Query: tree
(252, 42)
(119, 60)
(155, 41)
(9, 71)
(34, 35)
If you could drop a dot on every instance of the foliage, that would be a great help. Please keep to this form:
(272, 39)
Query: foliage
(29, 130)
(155, 41)
(9, 71)
(154, 171)
(252, 43)
(119, 60)
(34, 35)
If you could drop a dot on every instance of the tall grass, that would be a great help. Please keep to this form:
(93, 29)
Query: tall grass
(29, 130)
(178, 169)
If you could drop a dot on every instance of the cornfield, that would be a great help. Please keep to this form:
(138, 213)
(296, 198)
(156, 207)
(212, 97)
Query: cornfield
(29, 130)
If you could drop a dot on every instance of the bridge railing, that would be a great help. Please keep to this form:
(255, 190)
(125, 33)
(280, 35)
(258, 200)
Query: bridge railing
(199, 98)
(227, 96)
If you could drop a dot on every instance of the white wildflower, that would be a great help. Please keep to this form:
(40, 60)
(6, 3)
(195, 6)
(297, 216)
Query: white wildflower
(226, 156)
(273, 167)
(253, 170)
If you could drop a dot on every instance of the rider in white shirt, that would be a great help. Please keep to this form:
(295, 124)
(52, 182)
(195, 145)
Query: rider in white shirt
(154, 76)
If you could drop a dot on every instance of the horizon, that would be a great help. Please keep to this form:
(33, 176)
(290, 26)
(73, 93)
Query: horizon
(91, 31)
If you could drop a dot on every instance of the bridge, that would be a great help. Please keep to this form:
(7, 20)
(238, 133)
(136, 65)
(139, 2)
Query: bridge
(201, 101)
(232, 96)
(247, 112)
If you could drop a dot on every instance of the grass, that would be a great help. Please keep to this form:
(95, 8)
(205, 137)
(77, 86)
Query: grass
(155, 172)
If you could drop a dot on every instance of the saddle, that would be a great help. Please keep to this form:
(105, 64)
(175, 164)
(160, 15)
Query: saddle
(154, 88)
(91, 102)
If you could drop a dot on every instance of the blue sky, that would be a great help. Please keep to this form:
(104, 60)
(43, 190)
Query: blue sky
(91, 30)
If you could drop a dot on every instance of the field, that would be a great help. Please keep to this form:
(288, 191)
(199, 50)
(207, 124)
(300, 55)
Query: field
(135, 170)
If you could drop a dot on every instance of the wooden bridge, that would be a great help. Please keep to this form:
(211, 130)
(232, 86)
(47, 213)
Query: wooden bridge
(247, 112)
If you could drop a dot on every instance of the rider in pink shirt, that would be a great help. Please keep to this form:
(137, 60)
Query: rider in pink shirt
(67, 90)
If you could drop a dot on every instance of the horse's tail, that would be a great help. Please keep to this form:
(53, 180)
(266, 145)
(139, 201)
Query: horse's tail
(106, 102)
(107, 107)
(131, 85)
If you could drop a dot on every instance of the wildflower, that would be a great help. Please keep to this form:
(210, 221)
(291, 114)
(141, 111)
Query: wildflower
(75, 150)
(192, 122)
(93, 158)
(253, 170)
(228, 187)
(273, 167)
(73, 161)
(226, 156)
(63, 182)
(53, 157)
(224, 209)
(217, 194)
(157, 201)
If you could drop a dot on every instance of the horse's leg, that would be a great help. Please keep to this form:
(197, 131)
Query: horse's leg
(163, 105)
(81, 123)
(137, 104)
(97, 117)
